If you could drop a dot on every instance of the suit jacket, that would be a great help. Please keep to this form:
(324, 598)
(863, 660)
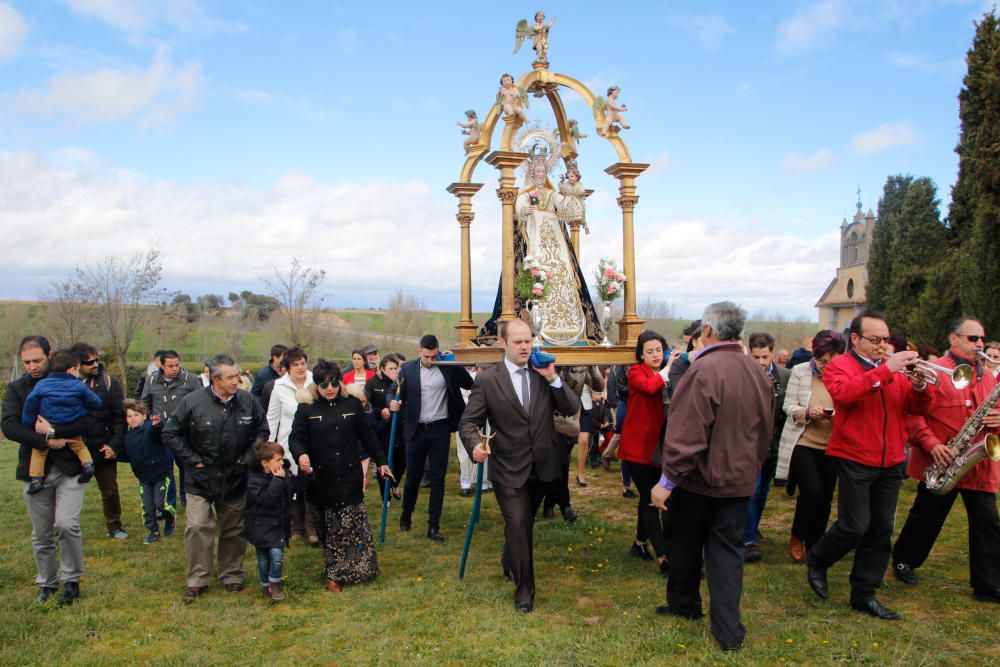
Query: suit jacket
(456, 378)
(522, 442)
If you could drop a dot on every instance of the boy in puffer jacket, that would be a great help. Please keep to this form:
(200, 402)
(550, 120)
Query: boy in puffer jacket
(152, 464)
(268, 515)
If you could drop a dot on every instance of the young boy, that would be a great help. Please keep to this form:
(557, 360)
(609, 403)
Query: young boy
(152, 464)
(268, 516)
(61, 398)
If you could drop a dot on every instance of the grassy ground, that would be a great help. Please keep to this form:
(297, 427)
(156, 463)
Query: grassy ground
(594, 604)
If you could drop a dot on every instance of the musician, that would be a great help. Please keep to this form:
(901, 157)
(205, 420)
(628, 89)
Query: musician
(929, 436)
(871, 400)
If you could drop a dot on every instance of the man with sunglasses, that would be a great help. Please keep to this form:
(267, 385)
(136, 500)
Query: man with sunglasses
(106, 438)
(871, 400)
(929, 436)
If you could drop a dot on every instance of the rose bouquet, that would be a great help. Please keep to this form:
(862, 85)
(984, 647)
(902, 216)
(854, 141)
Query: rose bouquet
(532, 282)
(610, 281)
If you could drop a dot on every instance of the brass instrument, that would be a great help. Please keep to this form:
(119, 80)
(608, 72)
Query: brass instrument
(961, 376)
(939, 479)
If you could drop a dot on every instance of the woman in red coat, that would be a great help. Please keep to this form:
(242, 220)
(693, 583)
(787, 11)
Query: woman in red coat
(359, 373)
(641, 438)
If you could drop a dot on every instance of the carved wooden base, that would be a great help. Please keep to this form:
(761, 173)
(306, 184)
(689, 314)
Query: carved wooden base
(565, 356)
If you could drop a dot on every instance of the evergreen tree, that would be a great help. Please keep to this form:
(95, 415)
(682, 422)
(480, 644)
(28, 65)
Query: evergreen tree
(880, 254)
(974, 217)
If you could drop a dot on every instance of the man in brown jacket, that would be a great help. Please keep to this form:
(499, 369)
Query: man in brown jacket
(524, 454)
(718, 434)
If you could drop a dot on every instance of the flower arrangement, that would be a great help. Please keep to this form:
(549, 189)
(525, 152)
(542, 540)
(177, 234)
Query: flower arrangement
(532, 282)
(610, 281)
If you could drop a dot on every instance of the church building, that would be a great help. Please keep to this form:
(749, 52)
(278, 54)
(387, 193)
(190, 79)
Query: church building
(845, 297)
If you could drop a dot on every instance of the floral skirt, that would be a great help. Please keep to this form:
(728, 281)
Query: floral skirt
(348, 547)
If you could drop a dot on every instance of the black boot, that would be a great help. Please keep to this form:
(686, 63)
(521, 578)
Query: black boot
(404, 521)
(87, 474)
(70, 592)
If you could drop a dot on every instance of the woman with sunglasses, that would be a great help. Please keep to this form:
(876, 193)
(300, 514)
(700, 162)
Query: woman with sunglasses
(802, 452)
(327, 440)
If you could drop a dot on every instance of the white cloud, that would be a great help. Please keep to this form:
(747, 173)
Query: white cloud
(155, 96)
(809, 27)
(709, 29)
(800, 164)
(659, 163)
(886, 136)
(139, 16)
(921, 63)
(13, 29)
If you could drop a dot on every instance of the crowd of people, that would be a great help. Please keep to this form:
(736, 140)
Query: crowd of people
(702, 430)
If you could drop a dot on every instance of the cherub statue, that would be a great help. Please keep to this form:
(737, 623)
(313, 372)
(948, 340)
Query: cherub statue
(471, 126)
(574, 134)
(612, 110)
(513, 100)
(539, 34)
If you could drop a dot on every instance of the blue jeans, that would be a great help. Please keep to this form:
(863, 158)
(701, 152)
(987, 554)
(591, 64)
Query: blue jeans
(270, 564)
(755, 508)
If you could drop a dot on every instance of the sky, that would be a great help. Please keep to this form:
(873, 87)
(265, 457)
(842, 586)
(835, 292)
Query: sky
(236, 136)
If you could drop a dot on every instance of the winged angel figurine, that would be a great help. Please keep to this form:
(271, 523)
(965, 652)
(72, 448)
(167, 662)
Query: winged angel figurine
(511, 99)
(539, 34)
(611, 109)
(471, 128)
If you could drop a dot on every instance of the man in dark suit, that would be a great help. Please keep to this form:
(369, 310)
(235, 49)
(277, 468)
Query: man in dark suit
(524, 454)
(432, 404)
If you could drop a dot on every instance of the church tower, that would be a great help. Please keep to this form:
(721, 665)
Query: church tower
(845, 296)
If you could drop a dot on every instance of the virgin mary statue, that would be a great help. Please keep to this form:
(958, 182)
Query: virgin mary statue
(539, 232)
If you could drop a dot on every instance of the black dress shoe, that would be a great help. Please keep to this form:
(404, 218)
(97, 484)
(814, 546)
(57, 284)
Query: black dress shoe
(983, 595)
(569, 514)
(404, 522)
(434, 534)
(904, 573)
(234, 586)
(640, 551)
(665, 567)
(752, 554)
(629, 493)
(44, 593)
(667, 610)
(465, 493)
(524, 607)
(549, 513)
(876, 609)
(817, 581)
(70, 592)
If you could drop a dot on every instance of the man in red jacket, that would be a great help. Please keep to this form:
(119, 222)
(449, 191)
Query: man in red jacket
(929, 436)
(871, 400)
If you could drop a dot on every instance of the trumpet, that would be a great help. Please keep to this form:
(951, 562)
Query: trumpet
(924, 371)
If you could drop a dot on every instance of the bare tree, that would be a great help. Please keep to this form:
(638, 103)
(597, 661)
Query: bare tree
(296, 291)
(405, 315)
(68, 314)
(120, 292)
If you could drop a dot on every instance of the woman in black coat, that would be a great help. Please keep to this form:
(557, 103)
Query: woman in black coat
(327, 439)
(379, 390)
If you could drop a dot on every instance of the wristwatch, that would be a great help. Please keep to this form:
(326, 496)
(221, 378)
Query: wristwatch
(51, 434)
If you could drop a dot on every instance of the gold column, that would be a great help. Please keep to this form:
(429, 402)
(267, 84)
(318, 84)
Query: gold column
(629, 326)
(507, 162)
(574, 236)
(465, 191)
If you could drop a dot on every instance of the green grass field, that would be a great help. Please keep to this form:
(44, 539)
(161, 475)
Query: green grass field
(594, 604)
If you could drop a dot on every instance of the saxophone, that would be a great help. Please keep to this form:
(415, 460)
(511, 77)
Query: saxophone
(968, 451)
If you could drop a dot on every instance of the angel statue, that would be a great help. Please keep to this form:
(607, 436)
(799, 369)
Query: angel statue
(471, 129)
(574, 135)
(573, 208)
(539, 233)
(612, 110)
(513, 100)
(539, 34)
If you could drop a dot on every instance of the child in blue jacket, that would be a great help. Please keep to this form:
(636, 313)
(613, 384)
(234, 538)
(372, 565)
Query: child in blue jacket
(61, 398)
(152, 464)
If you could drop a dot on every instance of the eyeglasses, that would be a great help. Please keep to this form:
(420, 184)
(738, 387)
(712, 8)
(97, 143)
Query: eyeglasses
(327, 385)
(88, 362)
(972, 338)
(876, 340)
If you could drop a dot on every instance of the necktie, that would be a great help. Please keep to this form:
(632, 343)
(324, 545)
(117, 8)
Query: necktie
(524, 389)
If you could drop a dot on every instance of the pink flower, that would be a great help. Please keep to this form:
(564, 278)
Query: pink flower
(549, 275)
(609, 272)
(536, 292)
(611, 290)
(620, 277)
(535, 272)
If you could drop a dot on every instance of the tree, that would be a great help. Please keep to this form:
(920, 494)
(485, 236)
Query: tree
(68, 312)
(185, 306)
(119, 293)
(405, 315)
(974, 217)
(296, 291)
(257, 307)
(211, 303)
(879, 266)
